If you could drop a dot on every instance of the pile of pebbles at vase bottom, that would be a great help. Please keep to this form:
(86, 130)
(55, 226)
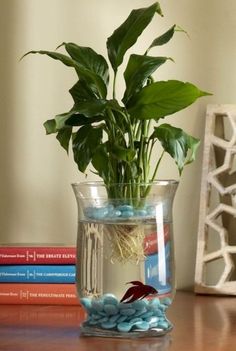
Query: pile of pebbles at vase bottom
(141, 315)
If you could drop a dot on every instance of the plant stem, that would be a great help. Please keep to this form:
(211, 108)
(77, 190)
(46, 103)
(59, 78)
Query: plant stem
(114, 86)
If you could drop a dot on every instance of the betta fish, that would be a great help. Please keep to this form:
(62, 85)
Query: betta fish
(137, 292)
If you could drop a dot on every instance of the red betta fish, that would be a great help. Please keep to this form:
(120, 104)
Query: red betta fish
(137, 292)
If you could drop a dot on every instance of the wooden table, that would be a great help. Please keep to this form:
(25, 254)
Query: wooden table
(202, 323)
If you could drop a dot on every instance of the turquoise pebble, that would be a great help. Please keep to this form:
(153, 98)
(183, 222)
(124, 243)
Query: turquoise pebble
(163, 325)
(110, 309)
(134, 320)
(151, 210)
(95, 316)
(127, 214)
(122, 319)
(123, 306)
(139, 304)
(88, 212)
(166, 301)
(102, 313)
(127, 311)
(124, 327)
(140, 213)
(86, 303)
(153, 321)
(97, 305)
(114, 214)
(140, 312)
(103, 320)
(110, 299)
(163, 307)
(108, 325)
(154, 304)
(147, 314)
(93, 322)
(123, 208)
(100, 212)
(158, 313)
(114, 318)
(142, 325)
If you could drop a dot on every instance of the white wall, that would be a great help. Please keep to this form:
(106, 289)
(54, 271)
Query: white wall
(36, 200)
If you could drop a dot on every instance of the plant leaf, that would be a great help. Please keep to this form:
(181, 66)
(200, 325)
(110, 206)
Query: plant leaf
(85, 142)
(89, 59)
(163, 39)
(63, 136)
(179, 145)
(101, 162)
(122, 153)
(91, 108)
(50, 126)
(81, 92)
(127, 34)
(138, 69)
(94, 81)
(163, 98)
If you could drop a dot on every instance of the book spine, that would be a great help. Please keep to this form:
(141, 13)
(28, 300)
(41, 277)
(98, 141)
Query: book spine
(37, 255)
(38, 294)
(37, 274)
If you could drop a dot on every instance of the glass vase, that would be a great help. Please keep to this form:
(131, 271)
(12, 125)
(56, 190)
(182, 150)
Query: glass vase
(125, 257)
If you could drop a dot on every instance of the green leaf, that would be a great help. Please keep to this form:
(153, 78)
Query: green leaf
(163, 39)
(85, 142)
(94, 81)
(79, 120)
(91, 108)
(163, 98)
(127, 34)
(122, 153)
(138, 69)
(81, 92)
(50, 126)
(89, 59)
(63, 136)
(101, 162)
(179, 145)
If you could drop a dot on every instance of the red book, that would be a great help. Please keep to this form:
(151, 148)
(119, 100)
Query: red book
(38, 294)
(37, 255)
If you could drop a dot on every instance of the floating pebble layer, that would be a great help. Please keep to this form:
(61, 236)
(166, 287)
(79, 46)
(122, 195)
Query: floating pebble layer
(142, 315)
(119, 212)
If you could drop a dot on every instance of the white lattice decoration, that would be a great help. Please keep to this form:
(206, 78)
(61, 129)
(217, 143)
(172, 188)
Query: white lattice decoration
(219, 218)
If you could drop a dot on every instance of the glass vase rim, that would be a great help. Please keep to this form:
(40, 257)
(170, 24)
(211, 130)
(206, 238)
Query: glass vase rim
(160, 182)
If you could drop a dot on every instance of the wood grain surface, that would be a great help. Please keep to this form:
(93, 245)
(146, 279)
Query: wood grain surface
(201, 323)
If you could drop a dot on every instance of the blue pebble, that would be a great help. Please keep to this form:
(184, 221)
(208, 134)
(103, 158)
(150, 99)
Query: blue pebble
(97, 305)
(124, 208)
(88, 212)
(151, 210)
(166, 301)
(124, 327)
(141, 213)
(100, 212)
(93, 322)
(103, 320)
(139, 305)
(95, 316)
(124, 306)
(147, 314)
(141, 312)
(158, 313)
(127, 214)
(122, 319)
(154, 304)
(110, 309)
(127, 311)
(153, 321)
(110, 299)
(134, 320)
(142, 325)
(163, 325)
(108, 325)
(114, 318)
(163, 307)
(86, 303)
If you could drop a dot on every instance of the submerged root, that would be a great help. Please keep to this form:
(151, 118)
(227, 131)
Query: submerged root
(126, 242)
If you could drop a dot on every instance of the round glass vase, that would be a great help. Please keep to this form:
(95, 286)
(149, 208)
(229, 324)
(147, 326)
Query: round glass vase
(125, 257)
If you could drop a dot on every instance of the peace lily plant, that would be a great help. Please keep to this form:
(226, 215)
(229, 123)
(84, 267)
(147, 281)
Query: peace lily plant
(118, 137)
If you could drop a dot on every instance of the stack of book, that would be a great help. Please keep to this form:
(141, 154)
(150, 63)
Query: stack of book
(38, 275)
